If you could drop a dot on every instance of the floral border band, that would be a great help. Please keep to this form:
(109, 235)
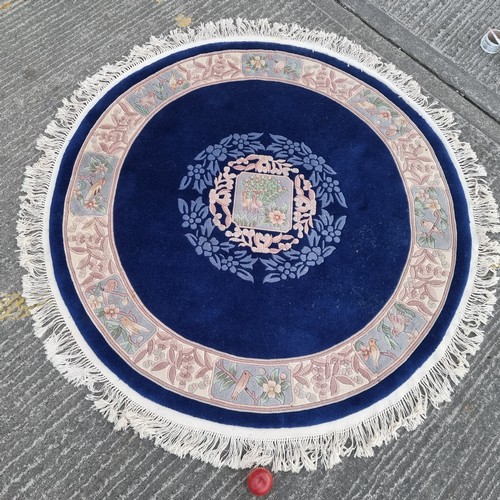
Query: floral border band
(217, 378)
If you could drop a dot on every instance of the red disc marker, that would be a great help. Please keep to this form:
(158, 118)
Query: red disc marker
(260, 481)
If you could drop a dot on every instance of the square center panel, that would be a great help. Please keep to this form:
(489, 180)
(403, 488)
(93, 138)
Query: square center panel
(263, 201)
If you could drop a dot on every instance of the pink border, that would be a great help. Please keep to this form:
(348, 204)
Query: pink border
(151, 318)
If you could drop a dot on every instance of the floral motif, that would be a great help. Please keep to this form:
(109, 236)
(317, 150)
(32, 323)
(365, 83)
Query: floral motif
(299, 262)
(90, 249)
(326, 376)
(113, 136)
(328, 81)
(256, 62)
(320, 173)
(385, 117)
(257, 199)
(90, 191)
(276, 217)
(252, 384)
(433, 225)
(273, 64)
(429, 270)
(273, 385)
(207, 164)
(239, 262)
(111, 311)
(126, 324)
(193, 215)
(147, 97)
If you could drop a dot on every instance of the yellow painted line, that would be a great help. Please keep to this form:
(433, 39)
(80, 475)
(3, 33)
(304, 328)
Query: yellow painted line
(13, 306)
(183, 21)
(6, 5)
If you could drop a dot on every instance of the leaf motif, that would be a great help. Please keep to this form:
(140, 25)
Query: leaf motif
(88, 224)
(159, 366)
(271, 278)
(329, 170)
(183, 206)
(364, 373)
(87, 280)
(280, 397)
(328, 251)
(94, 254)
(305, 148)
(341, 200)
(405, 310)
(198, 357)
(436, 282)
(171, 356)
(192, 239)
(201, 372)
(335, 367)
(340, 222)
(430, 293)
(345, 380)
(84, 262)
(171, 375)
(150, 346)
(302, 271)
(254, 135)
(140, 355)
(334, 386)
(215, 260)
(163, 336)
(245, 275)
(278, 138)
(207, 361)
(385, 328)
(226, 384)
(302, 380)
(420, 306)
(285, 385)
(355, 363)
(185, 182)
(80, 250)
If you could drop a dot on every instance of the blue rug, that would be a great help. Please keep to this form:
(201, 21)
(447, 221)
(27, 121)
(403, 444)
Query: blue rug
(259, 239)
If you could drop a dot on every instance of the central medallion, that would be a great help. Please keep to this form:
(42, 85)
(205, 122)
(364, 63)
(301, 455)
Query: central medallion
(263, 202)
(266, 195)
(248, 206)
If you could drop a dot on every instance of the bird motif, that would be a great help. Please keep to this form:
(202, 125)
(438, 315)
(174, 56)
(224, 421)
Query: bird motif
(253, 204)
(175, 81)
(131, 327)
(279, 66)
(399, 322)
(368, 107)
(431, 227)
(108, 289)
(374, 352)
(241, 384)
(95, 189)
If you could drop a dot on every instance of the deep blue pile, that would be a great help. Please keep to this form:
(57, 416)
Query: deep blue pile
(216, 309)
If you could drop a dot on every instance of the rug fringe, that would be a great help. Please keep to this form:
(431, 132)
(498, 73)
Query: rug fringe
(221, 449)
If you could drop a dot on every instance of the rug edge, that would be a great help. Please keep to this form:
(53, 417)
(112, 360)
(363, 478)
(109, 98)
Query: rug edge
(218, 449)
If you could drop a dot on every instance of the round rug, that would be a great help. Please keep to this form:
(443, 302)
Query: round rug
(258, 245)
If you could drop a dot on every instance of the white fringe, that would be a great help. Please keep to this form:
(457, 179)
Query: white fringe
(213, 447)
